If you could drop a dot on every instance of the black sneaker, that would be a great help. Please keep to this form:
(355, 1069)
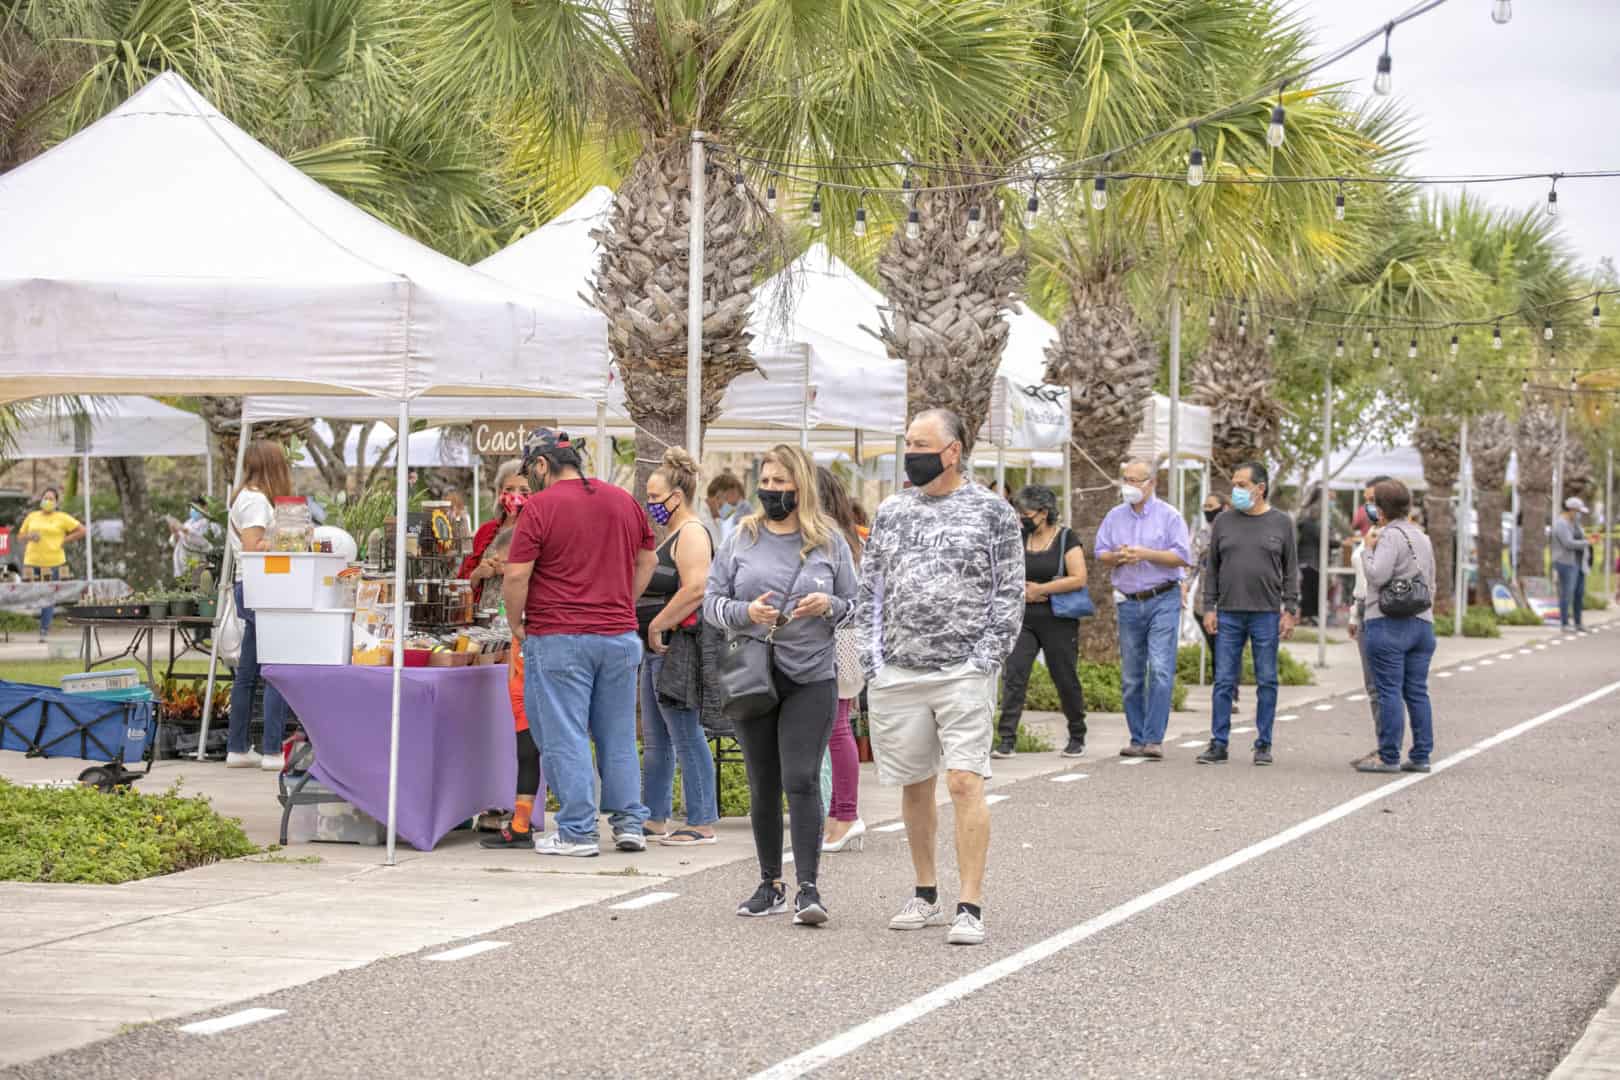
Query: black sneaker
(1377, 765)
(1415, 766)
(1214, 755)
(811, 911)
(1076, 748)
(1262, 755)
(1004, 749)
(769, 899)
(506, 838)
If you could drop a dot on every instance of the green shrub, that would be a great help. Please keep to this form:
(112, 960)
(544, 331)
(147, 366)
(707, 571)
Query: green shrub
(1290, 672)
(13, 622)
(1518, 617)
(1479, 622)
(1596, 602)
(1032, 742)
(1099, 682)
(78, 835)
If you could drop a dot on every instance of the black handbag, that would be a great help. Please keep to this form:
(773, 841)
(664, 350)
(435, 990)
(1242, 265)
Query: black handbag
(1405, 597)
(748, 670)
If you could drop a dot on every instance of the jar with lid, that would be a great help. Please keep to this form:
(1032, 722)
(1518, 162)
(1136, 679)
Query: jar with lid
(293, 528)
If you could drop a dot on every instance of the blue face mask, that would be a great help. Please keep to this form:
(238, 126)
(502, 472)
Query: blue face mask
(659, 513)
(1242, 499)
(1372, 513)
(729, 510)
(195, 515)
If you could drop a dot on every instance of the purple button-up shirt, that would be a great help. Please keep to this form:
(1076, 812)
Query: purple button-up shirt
(1156, 525)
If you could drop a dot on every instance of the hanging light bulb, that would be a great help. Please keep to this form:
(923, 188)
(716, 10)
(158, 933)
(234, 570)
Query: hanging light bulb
(1099, 194)
(1479, 383)
(1573, 385)
(1338, 349)
(1195, 167)
(974, 226)
(1524, 384)
(1338, 206)
(1455, 345)
(1271, 337)
(1502, 12)
(1212, 318)
(913, 224)
(1411, 350)
(1378, 349)
(1366, 337)
(770, 198)
(860, 221)
(1277, 130)
(739, 185)
(1243, 323)
(1597, 316)
(1547, 330)
(1383, 82)
(1552, 199)
(1496, 337)
(906, 191)
(1031, 208)
(1434, 374)
(815, 211)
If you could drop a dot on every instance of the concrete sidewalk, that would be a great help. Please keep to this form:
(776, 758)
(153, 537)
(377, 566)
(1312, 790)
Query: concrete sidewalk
(84, 962)
(1597, 1055)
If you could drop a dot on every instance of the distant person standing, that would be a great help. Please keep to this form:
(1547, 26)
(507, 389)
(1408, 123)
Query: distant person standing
(1308, 542)
(265, 478)
(1195, 590)
(47, 532)
(1144, 542)
(1570, 551)
(1367, 511)
(1400, 645)
(1251, 596)
(582, 554)
(941, 604)
(724, 501)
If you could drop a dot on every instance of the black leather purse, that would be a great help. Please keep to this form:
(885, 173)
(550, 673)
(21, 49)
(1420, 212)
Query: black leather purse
(748, 670)
(1405, 597)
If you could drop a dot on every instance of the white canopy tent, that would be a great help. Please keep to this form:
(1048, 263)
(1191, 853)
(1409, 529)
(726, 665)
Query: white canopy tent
(116, 427)
(1195, 436)
(163, 250)
(1351, 469)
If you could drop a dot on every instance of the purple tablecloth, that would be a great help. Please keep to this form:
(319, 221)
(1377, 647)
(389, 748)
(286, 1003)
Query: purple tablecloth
(455, 740)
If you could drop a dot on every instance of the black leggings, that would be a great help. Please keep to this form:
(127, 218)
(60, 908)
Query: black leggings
(528, 757)
(782, 752)
(1059, 639)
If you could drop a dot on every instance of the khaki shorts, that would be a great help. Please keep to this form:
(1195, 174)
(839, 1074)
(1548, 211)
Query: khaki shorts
(924, 719)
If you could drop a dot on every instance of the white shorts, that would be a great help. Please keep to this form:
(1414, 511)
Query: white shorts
(924, 719)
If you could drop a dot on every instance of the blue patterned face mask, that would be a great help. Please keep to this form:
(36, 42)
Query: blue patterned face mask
(659, 513)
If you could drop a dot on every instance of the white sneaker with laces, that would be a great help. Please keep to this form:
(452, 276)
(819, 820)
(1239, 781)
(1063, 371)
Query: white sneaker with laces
(556, 845)
(918, 914)
(247, 759)
(967, 929)
(272, 763)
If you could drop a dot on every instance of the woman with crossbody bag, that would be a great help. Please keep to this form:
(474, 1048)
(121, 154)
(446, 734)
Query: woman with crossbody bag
(781, 583)
(1054, 567)
(1398, 628)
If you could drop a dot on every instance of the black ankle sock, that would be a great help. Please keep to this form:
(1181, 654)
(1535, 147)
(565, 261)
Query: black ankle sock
(929, 893)
(972, 909)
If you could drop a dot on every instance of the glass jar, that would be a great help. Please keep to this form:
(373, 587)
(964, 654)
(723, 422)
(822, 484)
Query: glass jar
(293, 527)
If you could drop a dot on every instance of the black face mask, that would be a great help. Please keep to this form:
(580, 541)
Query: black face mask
(1211, 515)
(778, 504)
(1028, 525)
(924, 469)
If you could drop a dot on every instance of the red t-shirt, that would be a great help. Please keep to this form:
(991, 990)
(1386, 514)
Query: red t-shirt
(583, 545)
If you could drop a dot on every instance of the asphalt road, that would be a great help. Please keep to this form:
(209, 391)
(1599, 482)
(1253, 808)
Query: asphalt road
(1461, 925)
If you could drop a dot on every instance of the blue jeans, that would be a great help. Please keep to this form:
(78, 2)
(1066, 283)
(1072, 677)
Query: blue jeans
(1147, 663)
(47, 614)
(1399, 651)
(242, 687)
(1261, 630)
(1571, 593)
(584, 686)
(665, 733)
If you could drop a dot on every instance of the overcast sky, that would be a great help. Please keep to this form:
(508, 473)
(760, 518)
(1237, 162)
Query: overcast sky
(1540, 94)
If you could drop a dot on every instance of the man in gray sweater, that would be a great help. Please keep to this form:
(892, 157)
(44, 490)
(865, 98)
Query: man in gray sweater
(1570, 550)
(1251, 596)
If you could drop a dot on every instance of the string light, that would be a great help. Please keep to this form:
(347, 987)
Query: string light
(1338, 348)
(1383, 82)
(815, 209)
(1032, 208)
(1212, 318)
(860, 221)
(1378, 349)
(1367, 337)
(1243, 321)
(913, 224)
(770, 198)
(1547, 330)
(974, 225)
(1502, 12)
(1277, 130)
(1552, 199)
(905, 191)
(1411, 350)
(1434, 374)
(1271, 337)
(1597, 316)
(739, 186)
(1496, 337)
(1195, 167)
(1479, 382)
(1338, 204)
(1524, 384)
(1455, 345)
(1099, 194)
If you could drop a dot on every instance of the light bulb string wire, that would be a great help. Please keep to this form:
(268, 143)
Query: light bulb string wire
(1361, 321)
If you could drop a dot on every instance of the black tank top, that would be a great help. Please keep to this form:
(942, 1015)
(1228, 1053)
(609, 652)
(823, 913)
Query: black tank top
(665, 583)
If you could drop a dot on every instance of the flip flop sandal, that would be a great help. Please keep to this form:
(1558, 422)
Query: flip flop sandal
(687, 838)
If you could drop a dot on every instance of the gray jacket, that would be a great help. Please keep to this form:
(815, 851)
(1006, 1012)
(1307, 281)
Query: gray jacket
(1393, 558)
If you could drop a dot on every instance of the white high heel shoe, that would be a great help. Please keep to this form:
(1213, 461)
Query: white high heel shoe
(854, 840)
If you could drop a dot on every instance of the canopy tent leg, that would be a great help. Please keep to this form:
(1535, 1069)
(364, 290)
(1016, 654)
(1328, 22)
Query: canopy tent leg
(89, 532)
(899, 462)
(1176, 494)
(478, 479)
(401, 503)
(1608, 526)
(1459, 598)
(1323, 518)
(694, 307)
(227, 576)
(1001, 467)
(804, 407)
(208, 470)
(604, 457)
(860, 465)
(1068, 479)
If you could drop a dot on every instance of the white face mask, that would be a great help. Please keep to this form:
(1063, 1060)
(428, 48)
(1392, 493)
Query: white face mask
(1131, 494)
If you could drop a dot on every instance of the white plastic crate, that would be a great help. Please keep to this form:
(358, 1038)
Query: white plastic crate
(304, 637)
(291, 581)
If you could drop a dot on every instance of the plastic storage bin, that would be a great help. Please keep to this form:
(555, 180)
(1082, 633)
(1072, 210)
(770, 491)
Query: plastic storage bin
(93, 682)
(293, 581)
(304, 637)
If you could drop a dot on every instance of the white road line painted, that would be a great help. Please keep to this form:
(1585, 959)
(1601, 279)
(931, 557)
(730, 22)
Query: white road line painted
(893, 826)
(1504, 658)
(1485, 663)
(644, 900)
(1193, 744)
(465, 951)
(1541, 648)
(1241, 730)
(1524, 652)
(991, 800)
(1069, 777)
(1445, 674)
(1466, 667)
(1132, 760)
(1356, 697)
(848, 1042)
(1324, 708)
(233, 1020)
(1290, 716)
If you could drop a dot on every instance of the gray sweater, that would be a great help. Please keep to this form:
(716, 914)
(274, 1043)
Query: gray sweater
(1569, 546)
(1392, 559)
(1252, 563)
(746, 567)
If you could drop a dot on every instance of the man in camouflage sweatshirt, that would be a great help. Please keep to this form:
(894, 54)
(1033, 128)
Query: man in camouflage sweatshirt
(941, 604)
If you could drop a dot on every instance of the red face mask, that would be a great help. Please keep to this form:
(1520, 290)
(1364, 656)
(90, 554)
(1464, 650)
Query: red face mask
(512, 503)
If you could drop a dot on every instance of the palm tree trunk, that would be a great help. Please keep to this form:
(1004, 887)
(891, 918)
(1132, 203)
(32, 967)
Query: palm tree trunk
(1436, 440)
(1491, 444)
(1234, 376)
(1537, 441)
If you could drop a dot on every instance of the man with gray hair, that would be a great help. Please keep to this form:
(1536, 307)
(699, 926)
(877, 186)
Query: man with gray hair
(941, 603)
(1144, 542)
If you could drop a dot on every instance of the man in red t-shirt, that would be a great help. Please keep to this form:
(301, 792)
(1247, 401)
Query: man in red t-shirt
(582, 554)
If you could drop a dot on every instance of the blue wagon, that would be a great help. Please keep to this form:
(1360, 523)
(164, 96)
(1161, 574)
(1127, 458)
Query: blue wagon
(116, 728)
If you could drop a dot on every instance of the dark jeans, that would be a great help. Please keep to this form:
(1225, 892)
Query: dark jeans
(1209, 642)
(1309, 582)
(1399, 651)
(1571, 593)
(1059, 640)
(45, 573)
(1261, 630)
(782, 752)
(242, 688)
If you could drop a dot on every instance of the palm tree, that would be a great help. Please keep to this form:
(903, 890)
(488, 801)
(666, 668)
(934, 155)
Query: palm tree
(1537, 440)
(1490, 445)
(1436, 438)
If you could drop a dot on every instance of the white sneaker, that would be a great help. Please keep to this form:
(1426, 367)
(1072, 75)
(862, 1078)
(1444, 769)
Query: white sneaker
(272, 763)
(247, 759)
(556, 845)
(966, 930)
(917, 914)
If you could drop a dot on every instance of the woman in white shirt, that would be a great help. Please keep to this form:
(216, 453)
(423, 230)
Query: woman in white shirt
(265, 477)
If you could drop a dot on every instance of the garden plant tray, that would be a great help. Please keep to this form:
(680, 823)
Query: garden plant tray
(117, 611)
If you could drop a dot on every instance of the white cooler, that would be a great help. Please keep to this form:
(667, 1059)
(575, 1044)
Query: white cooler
(304, 637)
(291, 579)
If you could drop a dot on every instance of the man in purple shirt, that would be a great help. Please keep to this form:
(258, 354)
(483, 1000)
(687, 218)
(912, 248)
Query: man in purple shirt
(1143, 541)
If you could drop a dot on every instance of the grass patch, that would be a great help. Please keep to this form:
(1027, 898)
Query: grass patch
(50, 672)
(1596, 602)
(78, 835)
(1290, 672)
(1099, 682)
(1032, 742)
(1306, 635)
(1478, 622)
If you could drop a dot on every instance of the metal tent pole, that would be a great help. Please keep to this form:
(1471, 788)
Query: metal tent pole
(1001, 465)
(1464, 504)
(1068, 480)
(401, 506)
(804, 407)
(1176, 494)
(478, 469)
(89, 531)
(1608, 526)
(899, 462)
(694, 306)
(604, 457)
(227, 578)
(1324, 521)
(208, 470)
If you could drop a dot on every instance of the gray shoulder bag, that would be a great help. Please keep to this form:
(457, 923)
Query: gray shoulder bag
(1404, 597)
(748, 669)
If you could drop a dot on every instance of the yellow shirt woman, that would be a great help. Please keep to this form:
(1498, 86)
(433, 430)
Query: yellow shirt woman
(47, 533)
